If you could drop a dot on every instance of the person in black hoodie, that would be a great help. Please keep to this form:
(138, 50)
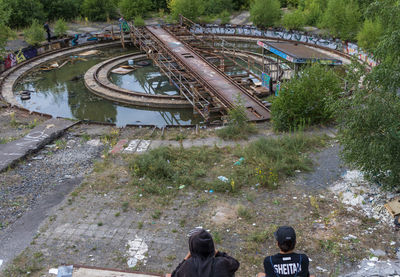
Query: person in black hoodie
(203, 260)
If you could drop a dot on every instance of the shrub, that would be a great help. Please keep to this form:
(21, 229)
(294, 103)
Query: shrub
(238, 126)
(60, 28)
(35, 34)
(23, 12)
(138, 21)
(5, 34)
(369, 134)
(133, 8)
(308, 99)
(368, 37)
(312, 11)
(293, 20)
(191, 9)
(98, 10)
(225, 17)
(265, 13)
(240, 4)
(342, 19)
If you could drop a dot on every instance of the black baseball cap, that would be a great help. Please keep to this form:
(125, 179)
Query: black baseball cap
(284, 234)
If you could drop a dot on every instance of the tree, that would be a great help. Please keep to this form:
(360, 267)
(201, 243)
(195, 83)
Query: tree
(98, 10)
(217, 6)
(342, 18)
(23, 12)
(5, 34)
(306, 99)
(265, 13)
(66, 9)
(369, 35)
(293, 20)
(191, 9)
(240, 4)
(370, 135)
(312, 10)
(133, 8)
(35, 34)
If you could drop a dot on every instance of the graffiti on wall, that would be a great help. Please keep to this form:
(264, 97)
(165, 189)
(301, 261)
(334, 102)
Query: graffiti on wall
(299, 36)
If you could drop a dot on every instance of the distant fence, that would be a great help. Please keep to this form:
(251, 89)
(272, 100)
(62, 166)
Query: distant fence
(299, 36)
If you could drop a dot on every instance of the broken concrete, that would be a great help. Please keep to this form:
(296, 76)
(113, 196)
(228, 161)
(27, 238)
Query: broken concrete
(14, 151)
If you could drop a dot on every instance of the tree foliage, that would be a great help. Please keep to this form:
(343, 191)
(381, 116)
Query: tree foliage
(293, 20)
(21, 13)
(217, 6)
(98, 10)
(370, 135)
(56, 9)
(342, 18)
(265, 13)
(60, 28)
(312, 10)
(35, 34)
(5, 34)
(191, 9)
(368, 36)
(306, 99)
(132, 8)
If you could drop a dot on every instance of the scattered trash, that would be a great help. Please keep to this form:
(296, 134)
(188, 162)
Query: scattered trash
(297, 171)
(349, 237)
(374, 259)
(53, 271)
(181, 186)
(239, 162)
(392, 243)
(137, 252)
(393, 207)
(89, 53)
(38, 158)
(210, 191)
(143, 63)
(131, 62)
(223, 179)
(65, 271)
(378, 252)
(122, 71)
(1, 262)
(321, 269)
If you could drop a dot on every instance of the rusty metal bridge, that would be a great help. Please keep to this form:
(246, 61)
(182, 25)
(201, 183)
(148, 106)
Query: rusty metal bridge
(202, 83)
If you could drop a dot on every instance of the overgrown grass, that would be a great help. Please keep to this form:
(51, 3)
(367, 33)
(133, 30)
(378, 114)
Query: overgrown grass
(265, 162)
(26, 264)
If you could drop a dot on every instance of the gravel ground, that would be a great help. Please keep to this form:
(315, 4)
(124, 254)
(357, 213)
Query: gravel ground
(40, 174)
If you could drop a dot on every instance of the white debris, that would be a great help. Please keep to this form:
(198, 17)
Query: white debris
(354, 191)
(374, 259)
(94, 142)
(349, 237)
(53, 271)
(321, 269)
(1, 262)
(137, 252)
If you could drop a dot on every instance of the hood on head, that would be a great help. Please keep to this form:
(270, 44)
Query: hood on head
(201, 244)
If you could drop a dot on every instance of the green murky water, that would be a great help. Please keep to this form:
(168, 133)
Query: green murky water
(61, 92)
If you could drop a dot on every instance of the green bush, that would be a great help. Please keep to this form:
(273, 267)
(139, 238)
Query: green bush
(308, 99)
(98, 10)
(225, 17)
(238, 126)
(60, 28)
(312, 11)
(5, 34)
(369, 35)
(293, 20)
(265, 13)
(139, 21)
(191, 9)
(35, 34)
(66, 9)
(342, 18)
(370, 137)
(133, 8)
(240, 4)
(23, 12)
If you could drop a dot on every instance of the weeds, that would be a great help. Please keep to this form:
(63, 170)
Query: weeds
(25, 264)
(244, 212)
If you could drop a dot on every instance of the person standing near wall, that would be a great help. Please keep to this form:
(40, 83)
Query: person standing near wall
(47, 29)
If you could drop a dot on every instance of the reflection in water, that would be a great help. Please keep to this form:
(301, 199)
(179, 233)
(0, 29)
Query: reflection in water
(62, 92)
(147, 79)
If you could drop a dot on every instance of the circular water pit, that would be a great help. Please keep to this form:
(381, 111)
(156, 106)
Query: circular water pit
(61, 92)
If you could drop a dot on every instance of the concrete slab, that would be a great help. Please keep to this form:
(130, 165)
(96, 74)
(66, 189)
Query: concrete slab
(95, 272)
(119, 146)
(12, 152)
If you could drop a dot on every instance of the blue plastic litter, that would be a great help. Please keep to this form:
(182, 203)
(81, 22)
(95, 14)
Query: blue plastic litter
(65, 271)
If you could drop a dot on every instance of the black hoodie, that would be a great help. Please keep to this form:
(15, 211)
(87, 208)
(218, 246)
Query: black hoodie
(203, 261)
